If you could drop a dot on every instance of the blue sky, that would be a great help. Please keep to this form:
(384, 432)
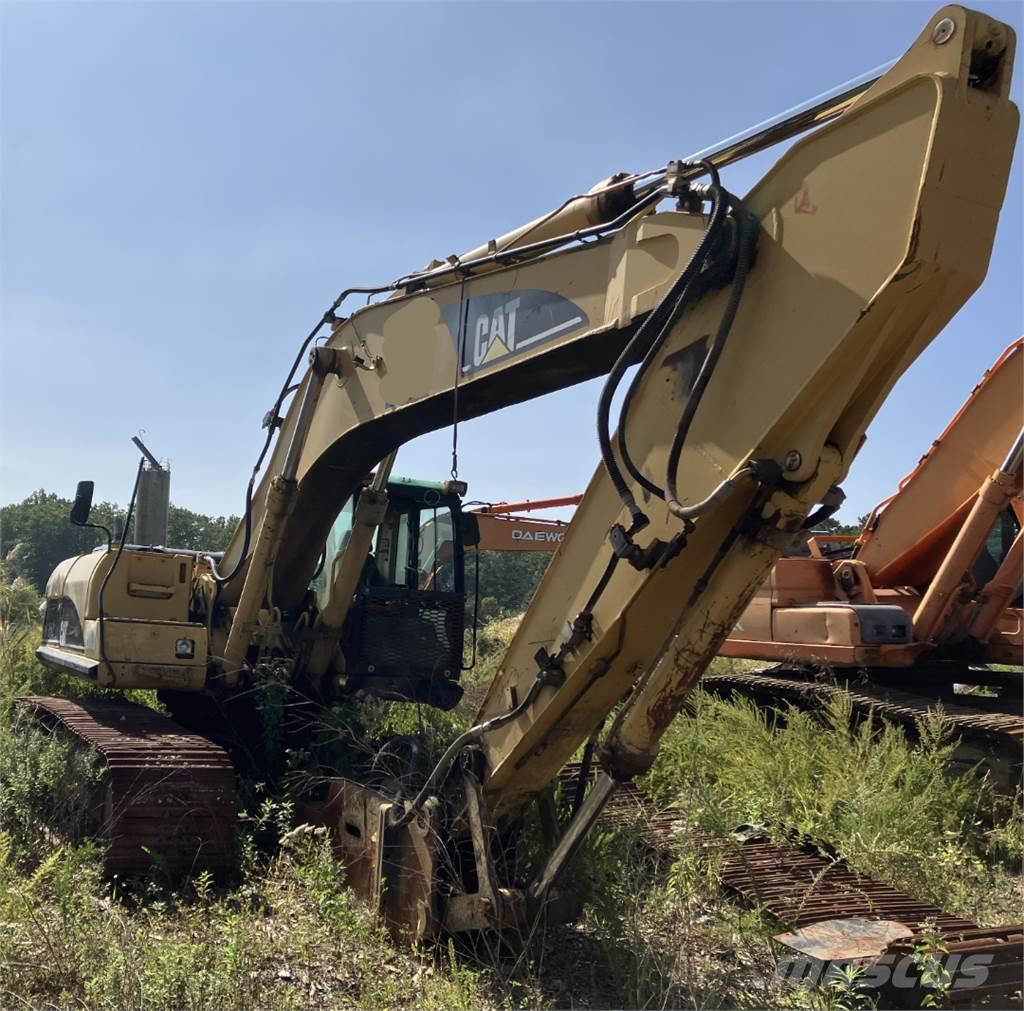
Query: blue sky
(186, 187)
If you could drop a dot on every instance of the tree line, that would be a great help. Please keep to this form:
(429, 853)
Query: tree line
(36, 535)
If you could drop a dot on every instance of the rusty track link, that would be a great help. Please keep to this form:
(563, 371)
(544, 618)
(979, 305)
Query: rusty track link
(798, 886)
(1001, 733)
(629, 808)
(168, 795)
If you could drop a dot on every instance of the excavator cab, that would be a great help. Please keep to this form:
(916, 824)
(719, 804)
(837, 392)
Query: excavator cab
(403, 635)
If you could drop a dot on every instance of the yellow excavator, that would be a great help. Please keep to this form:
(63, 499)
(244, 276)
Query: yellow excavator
(765, 331)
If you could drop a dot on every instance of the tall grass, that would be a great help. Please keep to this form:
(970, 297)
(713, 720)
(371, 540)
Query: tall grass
(292, 936)
(894, 809)
(287, 933)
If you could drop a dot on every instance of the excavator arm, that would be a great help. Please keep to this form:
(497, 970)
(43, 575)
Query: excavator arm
(845, 227)
(871, 233)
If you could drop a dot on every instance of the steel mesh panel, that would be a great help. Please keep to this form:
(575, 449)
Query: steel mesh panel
(411, 633)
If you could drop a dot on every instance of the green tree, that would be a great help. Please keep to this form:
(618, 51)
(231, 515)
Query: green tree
(36, 534)
(19, 604)
(507, 580)
(186, 529)
(833, 526)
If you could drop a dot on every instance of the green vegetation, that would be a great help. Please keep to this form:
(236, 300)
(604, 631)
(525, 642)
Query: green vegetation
(35, 534)
(890, 808)
(290, 935)
(831, 525)
(285, 932)
(507, 581)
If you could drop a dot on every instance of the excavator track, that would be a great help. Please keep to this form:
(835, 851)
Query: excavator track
(987, 735)
(167, 797)
(802, 887)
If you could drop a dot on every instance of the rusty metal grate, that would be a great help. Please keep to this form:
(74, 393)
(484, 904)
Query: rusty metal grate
(170, 795)
(799, 886)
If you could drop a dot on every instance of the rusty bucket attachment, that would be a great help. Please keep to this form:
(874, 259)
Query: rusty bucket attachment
(410, 875)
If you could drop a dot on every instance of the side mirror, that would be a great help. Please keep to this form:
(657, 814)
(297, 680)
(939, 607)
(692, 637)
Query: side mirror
(470, 530)
(83, 503)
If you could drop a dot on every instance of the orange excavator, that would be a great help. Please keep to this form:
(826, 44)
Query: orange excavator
(923, 605)
(501, 528)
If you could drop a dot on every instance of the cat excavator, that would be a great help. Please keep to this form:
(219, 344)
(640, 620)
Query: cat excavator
(764, 332)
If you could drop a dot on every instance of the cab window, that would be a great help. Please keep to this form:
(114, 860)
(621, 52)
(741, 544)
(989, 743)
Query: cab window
(436, 550)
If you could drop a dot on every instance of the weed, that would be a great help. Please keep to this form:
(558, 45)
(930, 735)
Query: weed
(846, 990)
(287, 933)
(929, 959)
(890, 808)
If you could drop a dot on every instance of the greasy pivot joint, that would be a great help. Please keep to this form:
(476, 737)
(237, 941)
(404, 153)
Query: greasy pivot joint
(550, 673)
(326, 361)
(640, 558)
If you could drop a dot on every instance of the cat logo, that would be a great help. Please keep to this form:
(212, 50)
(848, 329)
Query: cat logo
(494, 327)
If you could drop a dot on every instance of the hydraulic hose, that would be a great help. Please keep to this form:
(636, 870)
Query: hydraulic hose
(470, 736)
(687, 282)
(328, 317)
(649, 198)
(657, 322)
(747, 233)
(113, 565)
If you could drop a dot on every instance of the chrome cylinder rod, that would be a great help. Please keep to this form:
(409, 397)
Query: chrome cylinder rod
(796, 120)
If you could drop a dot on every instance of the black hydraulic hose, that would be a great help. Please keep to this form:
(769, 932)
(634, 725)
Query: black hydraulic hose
(459, 269)
(687, 283)
(320, 564)
(476, 607)
(834, 498)
(328, 317)
(471, 736)
(747, 232)
(585, 766)
(655, 322)
(629, 179)
(465, 268)
(602, 584)
(113, 565)
(652, 193)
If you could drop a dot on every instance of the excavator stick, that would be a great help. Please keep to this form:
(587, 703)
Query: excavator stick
(827, 323)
